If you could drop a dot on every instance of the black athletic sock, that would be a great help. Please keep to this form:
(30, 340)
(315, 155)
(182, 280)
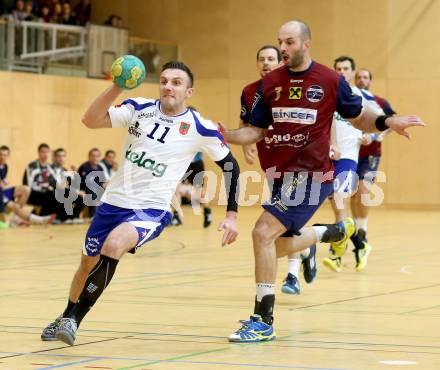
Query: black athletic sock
(332, 234)
(256, 307)
(69, 307)
(357, 241)
(265, 308)
(362, 235)
(97, 281)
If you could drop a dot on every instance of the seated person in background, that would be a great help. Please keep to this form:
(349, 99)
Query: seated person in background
(83, 12)
(109, 163)
(56, 13)
(93, 177)
(4, 154)
(18, 13)
(41, 179)
(45, 13)
(13, 199)
(63, 180)
(67, 16)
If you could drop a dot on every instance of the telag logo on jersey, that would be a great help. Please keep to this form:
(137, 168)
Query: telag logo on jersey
(157, 169)
(134, 129)
(294, 115)
(314, 93)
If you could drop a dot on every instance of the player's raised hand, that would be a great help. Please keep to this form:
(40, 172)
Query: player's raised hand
(366, 139)
(229, 224)
(222, 128)
(401, 123)
(335, 153)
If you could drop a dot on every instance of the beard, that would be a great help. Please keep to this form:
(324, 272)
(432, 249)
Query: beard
(297, 59)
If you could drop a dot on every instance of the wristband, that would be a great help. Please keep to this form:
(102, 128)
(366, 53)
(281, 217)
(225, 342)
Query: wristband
(380, 123)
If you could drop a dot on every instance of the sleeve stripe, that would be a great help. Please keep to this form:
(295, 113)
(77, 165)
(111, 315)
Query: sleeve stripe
(136, 105)
(366, 96)
(207, 132)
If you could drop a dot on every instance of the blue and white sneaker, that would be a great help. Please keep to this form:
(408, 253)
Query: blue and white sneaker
(291, 285)
(253, 330)
(66, 330)
(309, 265)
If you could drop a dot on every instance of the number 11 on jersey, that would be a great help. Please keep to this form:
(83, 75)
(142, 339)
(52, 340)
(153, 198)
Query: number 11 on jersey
(162, 138)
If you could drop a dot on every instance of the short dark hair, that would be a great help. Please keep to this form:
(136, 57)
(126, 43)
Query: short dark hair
(110, 151)
(269, 47)
(4, 147)
(176, 64)
(344, 58)
(94, 150)
(43, 146)
(59, 150)
(366, 70)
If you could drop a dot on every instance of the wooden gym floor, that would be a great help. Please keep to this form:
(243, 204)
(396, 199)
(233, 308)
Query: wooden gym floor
(173, 304)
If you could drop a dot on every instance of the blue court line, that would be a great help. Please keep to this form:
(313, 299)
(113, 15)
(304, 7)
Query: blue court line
(70, 363)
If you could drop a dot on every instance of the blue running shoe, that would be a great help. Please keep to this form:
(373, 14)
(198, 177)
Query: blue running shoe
(291, 285)
(253, 330)
(309, 265)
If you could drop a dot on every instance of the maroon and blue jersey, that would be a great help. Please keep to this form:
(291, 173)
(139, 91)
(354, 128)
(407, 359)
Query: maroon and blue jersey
(299, 107)
(3, 171)
(375, 148)
(247, 101)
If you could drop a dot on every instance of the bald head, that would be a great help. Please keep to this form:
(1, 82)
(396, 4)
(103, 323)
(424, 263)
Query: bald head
(299, 28)
(295, 41)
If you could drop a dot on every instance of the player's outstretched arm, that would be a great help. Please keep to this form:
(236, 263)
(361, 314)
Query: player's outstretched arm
(369, 121)
(244, 135)
(248, 149)
(96, 116)
(231, 172)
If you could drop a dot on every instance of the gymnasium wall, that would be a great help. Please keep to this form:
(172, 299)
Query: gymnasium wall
(396, 39)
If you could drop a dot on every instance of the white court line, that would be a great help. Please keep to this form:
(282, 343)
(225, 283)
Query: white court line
(397, 362)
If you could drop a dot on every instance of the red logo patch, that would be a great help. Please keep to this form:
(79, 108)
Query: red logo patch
(184, 128)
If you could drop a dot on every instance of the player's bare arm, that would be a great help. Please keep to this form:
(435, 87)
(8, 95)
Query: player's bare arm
(97, 115)
(249, 150)
(367, 121)
(244, 135)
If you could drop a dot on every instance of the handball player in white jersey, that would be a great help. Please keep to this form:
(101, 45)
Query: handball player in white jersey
(346, 141)
(162, 138)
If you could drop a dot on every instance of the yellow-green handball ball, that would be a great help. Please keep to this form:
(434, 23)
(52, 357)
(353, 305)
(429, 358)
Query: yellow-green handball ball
(128, 72)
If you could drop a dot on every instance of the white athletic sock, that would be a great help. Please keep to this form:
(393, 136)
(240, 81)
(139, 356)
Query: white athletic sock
(319, 231)
(36, 219)
(294, 264)
(361, 223)
(264, 289)
(305, 253)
